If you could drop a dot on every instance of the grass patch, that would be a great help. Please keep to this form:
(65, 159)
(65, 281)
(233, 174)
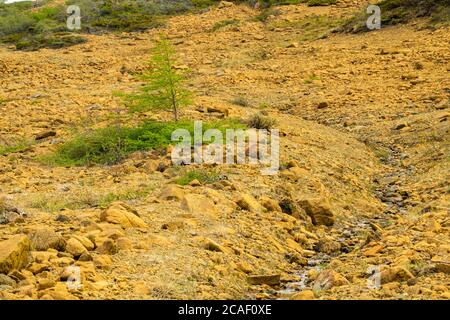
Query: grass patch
(204, 176)
(311, 27)
(259, 121)
(313, 77)
(84, 199)
(393, 12)
(240, 101)
(112, 144)
(13, 147)
(222, 24)
(316, 3)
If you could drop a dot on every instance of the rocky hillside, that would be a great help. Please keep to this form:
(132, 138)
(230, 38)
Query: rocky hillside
(363, 183)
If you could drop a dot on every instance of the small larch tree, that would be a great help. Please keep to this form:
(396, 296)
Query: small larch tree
(163, 87)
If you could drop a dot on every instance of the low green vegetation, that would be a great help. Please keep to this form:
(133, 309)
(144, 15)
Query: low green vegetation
(314, 3)
(203, 176)
(240, 101)
(110, 145)
(259, 121)
(435, 12)
(15, 146)
(85, 198)
(222, 24)
(311, 27)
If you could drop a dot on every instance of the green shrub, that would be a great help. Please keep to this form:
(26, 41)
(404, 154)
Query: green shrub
(112, 144)
(259, 121)
(240, 101)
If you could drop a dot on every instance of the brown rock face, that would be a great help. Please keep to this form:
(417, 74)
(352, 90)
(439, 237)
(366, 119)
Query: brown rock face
(319, 211)
(14, 253)
(123, 214)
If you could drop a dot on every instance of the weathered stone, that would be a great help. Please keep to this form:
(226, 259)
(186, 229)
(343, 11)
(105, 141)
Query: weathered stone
(303, 295)
(85, 242)
(103, 262)
(45, 238)
(108, 247)
(122, 214)
(319, 211)
(172, 192)
(75, 247)
(328, 279)
(249, 203)
(14, 253)
(7, 281)
(271, 280)
(391, 274)
(198, 204)
(270, 204)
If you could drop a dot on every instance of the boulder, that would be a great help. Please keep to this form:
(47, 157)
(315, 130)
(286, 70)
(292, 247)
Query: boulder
(303, 295)
(14, 253)
(172, 192)
(271, 280)
(249, 203)
(328, 279)
(198, 204)
(75, 247)
(122, 214)
(43, 239)
(391, 274)
(319, 210)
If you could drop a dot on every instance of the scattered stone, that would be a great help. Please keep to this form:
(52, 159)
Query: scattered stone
(14, 253)
(75, 247)
(124, 244)
(45, 134)
(270, 204)
(244, 267)
(303, 295)
(172, 192)
(319, 211)
(248, 202)
(198, 204)
(328, 279)
(391, 274)
(271, 280)
(45, 238)
(85, 242)
(322, 105)
(328, 246)
(62, 218)
(103, 262)
(7, 281)
(442, 266)
(122, 214)
(108, 247)
(85, 256)
(211, 245)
